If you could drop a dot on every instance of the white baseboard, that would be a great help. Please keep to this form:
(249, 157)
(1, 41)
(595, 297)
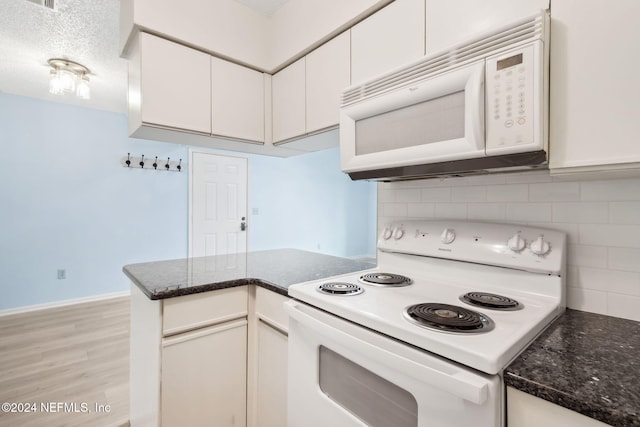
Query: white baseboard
(55, 304)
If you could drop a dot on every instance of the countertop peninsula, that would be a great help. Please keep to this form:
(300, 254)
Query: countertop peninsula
(274, 269)
(585, 362)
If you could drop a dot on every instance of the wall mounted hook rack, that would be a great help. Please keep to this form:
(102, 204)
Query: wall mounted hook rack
(140, 163)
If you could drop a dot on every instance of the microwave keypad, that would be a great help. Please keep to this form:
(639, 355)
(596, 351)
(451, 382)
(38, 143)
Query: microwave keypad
(514, 111)
(509, 86)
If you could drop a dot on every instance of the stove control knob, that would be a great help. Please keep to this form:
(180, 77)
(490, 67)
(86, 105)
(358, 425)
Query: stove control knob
(386, 233)
(448, 236)
(398, 233)
(540, 246)
(516, 243)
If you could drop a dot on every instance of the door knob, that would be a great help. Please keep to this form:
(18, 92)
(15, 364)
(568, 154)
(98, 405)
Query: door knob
(243, 224)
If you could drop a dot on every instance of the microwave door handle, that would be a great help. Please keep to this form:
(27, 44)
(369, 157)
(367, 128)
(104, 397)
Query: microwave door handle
(474, 107)
(458, 382)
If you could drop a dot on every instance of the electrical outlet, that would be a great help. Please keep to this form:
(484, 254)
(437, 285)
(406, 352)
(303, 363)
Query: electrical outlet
(62, 274)
(255, 211)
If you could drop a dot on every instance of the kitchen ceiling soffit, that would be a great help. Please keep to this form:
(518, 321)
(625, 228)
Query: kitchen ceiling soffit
(266, 7)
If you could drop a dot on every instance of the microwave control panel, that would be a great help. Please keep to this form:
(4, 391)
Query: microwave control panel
(513, 101)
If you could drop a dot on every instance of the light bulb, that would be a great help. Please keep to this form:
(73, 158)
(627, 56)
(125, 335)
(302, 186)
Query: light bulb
(68, 81)
(55, 83)
(83, 90)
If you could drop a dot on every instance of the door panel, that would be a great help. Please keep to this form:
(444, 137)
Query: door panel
(218, 205)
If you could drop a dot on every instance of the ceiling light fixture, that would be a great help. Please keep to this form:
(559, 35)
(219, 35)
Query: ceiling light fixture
(68, 76)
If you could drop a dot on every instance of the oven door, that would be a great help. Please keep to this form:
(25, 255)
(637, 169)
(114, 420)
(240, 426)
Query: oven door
(434, 120)
(344, 375)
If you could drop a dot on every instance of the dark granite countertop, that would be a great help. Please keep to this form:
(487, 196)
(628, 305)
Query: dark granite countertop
(585, 362)
(275, 270)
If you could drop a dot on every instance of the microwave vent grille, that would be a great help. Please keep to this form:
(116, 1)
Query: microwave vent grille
(523, 31)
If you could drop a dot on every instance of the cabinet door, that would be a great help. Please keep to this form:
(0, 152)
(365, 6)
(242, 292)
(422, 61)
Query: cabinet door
(288, 101)
(525, 410)
(451, 22)
(237, 101)
(204, 376)
(272, 377)
(328, 70)
(387, 39)
(594, 85)
(175, 85)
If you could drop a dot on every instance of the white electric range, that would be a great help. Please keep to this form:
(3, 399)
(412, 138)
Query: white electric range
(423, 338)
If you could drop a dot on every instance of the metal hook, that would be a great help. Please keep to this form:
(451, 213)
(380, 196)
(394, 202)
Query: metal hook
(128, 162)
(167, 164)
(179, 167)
(155, 163)
(142, 162)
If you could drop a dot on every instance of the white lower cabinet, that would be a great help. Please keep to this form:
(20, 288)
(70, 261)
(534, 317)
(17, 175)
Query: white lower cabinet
(271, 398)
(267, 359)
(215, 358)
(204, 376)
(525, 410)
(189, 359)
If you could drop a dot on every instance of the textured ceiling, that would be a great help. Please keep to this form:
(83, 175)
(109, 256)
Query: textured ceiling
(84, 31)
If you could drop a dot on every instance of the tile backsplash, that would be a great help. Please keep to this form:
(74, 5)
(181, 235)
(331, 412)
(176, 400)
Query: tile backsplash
(601, 219)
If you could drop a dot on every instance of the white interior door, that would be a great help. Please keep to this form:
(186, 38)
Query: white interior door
(218, 205)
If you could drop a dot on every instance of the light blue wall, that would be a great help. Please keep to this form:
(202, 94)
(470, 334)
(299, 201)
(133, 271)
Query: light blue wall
(65, 202)
(305, 202)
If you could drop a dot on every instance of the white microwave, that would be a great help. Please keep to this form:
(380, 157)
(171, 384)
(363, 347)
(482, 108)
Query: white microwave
(479, 107)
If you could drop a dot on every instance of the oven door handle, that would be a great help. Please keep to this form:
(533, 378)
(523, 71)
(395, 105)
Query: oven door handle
(457, 381)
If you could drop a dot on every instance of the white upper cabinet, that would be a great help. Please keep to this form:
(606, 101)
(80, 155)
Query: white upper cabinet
(451, 22)
(306, 94)
(328, 73)
(387, 39)
(288, 102)
(174, 85)
(237, 101)
(594, 123)
(179, 94)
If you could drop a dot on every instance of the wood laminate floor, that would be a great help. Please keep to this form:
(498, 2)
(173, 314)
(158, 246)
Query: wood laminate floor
(67, 364)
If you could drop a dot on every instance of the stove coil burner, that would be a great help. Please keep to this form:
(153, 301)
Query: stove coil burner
(448, 318)
(385, 279)
(491, 301)
(340, 288)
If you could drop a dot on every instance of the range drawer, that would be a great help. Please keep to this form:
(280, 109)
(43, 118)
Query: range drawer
(185, 313)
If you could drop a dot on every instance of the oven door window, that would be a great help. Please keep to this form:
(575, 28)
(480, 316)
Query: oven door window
(428, 122)
(374, 400)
